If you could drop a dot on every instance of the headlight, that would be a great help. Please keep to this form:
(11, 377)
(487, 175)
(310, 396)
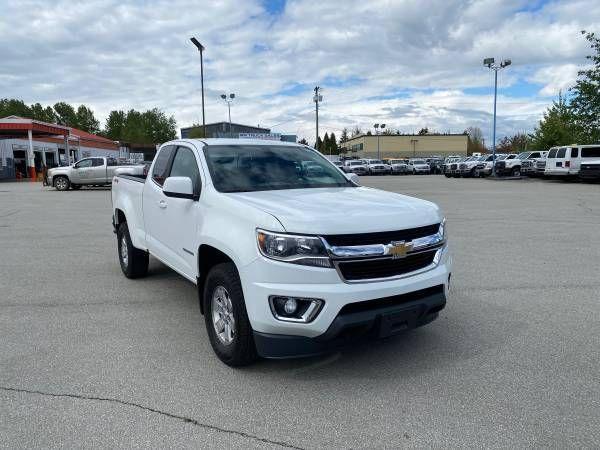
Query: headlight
(444, 229)
(304, 250)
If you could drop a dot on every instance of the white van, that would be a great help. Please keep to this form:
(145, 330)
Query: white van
(566, 161)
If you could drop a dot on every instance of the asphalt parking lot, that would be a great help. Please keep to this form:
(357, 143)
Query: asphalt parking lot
(89, 358)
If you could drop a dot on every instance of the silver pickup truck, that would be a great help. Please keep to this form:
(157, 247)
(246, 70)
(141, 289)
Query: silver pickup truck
(95, 171)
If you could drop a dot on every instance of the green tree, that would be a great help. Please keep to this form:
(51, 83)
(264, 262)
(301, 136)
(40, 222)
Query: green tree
(115, 125)
(303, 141)
(65, 114)
(85, 120)
(14, 107)
(319, 144)
(585, 102)
(356, 131)
(516, 143)
(423, 131)
(557, 127)
(333, 147)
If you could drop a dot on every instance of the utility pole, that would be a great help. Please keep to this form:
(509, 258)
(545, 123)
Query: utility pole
(317, 98)
(489, 62)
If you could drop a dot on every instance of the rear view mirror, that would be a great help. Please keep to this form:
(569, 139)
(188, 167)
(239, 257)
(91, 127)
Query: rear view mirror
(179, 187)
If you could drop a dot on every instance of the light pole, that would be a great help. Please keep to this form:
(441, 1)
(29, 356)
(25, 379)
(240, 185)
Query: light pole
(317, 98)
(229, 101)
(200, 48)
(490, 63)
(376, 126)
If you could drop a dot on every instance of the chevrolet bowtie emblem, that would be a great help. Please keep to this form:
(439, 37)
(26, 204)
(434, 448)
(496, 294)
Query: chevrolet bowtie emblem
(398, 249)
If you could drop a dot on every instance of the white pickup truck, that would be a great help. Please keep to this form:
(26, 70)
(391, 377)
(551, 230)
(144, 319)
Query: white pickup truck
(287, 262)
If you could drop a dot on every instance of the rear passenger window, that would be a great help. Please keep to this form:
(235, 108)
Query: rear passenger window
(97, 162)
(161, 166)
(552, 153)
(574, 152)
(561, 152)
(184, 165)
(590, 152)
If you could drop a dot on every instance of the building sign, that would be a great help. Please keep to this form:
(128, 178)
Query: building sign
(264, 136)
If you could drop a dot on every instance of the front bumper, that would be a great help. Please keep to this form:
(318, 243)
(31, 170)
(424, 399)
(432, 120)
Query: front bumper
(263, 278)
(369, 320)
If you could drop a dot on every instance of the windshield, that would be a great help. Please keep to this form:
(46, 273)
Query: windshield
(417, 161)
(248, 168)
(356, 163)
(375, 161)
(501, 157)
(396, 161)
(523, 155)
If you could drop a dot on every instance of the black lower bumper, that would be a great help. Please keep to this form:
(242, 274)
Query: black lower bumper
(589, 174)
(358, 325)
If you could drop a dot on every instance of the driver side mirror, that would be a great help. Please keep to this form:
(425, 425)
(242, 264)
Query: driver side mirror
(179, 187)
(354, 178)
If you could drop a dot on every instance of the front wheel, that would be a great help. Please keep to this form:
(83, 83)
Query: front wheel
(134, 262)
(226, 319)
(516, 172)
(62, 183)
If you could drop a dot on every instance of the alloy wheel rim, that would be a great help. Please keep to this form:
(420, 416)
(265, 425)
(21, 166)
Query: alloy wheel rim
(60, 183)
(222, 315)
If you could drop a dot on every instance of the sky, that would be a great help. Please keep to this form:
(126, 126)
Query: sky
(408, 64)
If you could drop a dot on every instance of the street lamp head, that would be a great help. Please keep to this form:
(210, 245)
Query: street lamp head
(506, 62)
(198, 45)
(223, 96)
(488, 61)
(231, 96)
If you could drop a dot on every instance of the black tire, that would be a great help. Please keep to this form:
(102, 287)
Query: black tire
(447, 175)
(134, 262)
(62, 183)
(516, 172)
(75, 186)
(240, 351)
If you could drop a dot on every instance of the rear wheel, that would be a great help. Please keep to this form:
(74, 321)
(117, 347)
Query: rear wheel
(226, 319)
(134, 262)
(61, 183)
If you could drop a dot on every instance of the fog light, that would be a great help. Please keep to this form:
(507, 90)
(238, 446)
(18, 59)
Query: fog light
(290, 306)
(295, 309)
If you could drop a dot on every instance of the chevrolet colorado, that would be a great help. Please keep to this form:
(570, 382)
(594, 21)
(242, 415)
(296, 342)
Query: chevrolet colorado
(287, 262)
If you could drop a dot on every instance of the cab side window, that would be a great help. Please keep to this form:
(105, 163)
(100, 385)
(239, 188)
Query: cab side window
(185, 165)
(575, 152)
(161, 165)
(97, 162)
(83, 163)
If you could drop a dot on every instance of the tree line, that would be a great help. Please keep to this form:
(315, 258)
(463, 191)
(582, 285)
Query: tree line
(140, 127)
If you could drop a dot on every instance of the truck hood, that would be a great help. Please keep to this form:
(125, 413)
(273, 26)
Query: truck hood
(342, 210)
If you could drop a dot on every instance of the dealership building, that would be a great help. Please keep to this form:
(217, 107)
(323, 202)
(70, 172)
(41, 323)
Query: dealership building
(237, 130)
(406, 146)
(27, 145)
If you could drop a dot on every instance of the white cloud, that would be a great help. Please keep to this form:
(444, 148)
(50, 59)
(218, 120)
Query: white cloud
(412, 63)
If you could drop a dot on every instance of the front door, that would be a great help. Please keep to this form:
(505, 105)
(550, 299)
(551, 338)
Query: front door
(172, 223)
(81, 172)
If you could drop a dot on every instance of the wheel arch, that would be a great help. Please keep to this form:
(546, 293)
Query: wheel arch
(208, 257)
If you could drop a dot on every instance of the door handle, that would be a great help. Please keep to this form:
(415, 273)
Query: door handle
(162, 204)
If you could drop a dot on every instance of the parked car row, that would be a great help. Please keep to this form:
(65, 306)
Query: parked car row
(574, 161)
(414, 166)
